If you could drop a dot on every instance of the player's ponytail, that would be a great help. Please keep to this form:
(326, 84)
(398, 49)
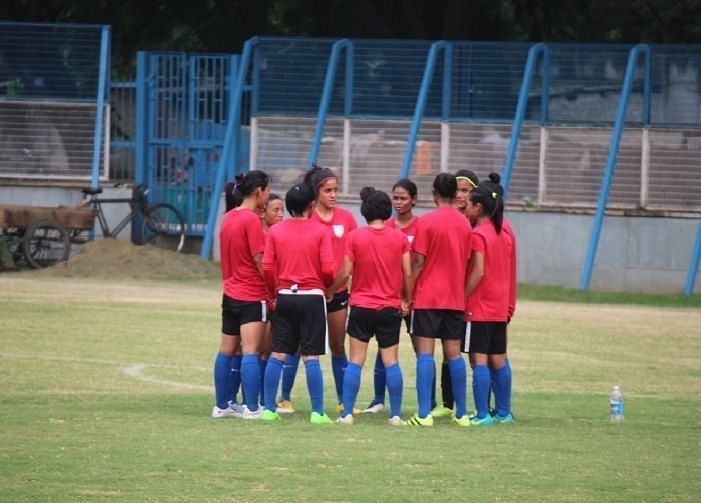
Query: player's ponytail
(490, 194)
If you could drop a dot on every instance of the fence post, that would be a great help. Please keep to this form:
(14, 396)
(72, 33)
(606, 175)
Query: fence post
(694, 263)
(436, 47)
(230, 137)
(520, 114)
(336, 49)
(633, 55)
(100, 112)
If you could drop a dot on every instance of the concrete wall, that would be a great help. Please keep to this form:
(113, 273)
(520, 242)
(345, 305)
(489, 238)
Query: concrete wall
(636, 254)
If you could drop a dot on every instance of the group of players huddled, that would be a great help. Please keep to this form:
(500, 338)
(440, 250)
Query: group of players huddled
(450, 274)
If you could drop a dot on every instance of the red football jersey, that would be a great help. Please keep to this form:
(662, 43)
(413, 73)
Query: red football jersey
(489, 301)
(377, 266)
(506, 227)
(341, 224)
(409, 231)
(298, 252)
(444, 239)
(241, 238)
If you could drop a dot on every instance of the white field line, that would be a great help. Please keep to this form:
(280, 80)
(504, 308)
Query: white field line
(133, 371)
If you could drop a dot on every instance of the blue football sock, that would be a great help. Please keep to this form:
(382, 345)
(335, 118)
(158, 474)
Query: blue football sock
(235, 377)
(338, 364)
(351, 385)
(480, 389)
(289, 372)
(458, 380)
(395, 386)
(315, 385)
(491, 388)
(433, 388)
(222, 380)
(425, 375)
(272, 379)
(502, 390)
(261, 385)
(250, 379)
(380, 380)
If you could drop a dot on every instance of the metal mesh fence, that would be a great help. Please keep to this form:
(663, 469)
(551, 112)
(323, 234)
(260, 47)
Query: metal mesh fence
(122, 129)
(49, 78)
(559, 162)
(44, 139)
(555, 166)
(675, 169)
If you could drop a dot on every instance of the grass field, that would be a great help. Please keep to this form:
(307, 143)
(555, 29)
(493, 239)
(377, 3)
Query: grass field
(105, 394)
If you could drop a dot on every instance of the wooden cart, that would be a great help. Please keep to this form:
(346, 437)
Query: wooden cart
(39, 234)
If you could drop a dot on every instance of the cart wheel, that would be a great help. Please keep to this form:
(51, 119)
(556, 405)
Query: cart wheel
(163, 226)
(45, 243)
(15, 248)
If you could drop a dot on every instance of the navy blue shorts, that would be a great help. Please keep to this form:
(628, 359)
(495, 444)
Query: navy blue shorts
(235, 313)
(485, 337)
(300, 324)
(383, 324)
(445, 324)
(338, 303)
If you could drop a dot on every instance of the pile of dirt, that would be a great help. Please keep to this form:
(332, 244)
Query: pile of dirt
(110, 258)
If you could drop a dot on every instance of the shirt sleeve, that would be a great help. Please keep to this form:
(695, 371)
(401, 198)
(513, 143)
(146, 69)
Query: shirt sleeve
(268, 264)
(350, 244)
(351, 223)
(468, 243)
(478, 242)
(256, 237)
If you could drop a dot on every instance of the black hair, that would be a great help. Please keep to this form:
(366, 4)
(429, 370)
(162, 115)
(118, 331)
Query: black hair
(445, 185)
(407, 185)
(247, 183)
(316, 176)
(232, 197)
(490, 194)
(471, 177)
(376, 205)
(298, 198)
(274, 197)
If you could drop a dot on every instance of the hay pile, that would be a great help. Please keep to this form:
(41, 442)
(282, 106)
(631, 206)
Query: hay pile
(110, 258)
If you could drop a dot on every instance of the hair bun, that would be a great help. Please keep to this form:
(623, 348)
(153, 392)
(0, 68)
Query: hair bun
(494, 177)
(365, 192)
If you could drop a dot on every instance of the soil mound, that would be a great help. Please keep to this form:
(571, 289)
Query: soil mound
(110, 258)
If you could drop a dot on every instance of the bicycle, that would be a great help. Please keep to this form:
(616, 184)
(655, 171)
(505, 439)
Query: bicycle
(162, 224)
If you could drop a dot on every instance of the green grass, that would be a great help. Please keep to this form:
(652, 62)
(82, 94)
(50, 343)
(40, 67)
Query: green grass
(561, 294)
(105, 394)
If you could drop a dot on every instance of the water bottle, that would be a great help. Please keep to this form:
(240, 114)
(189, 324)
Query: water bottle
(616, 405)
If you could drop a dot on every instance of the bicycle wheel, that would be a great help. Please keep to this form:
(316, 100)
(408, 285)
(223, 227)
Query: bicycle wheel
(163, 226)
(45, 243)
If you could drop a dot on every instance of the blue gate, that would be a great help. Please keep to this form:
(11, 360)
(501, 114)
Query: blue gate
(185, 99)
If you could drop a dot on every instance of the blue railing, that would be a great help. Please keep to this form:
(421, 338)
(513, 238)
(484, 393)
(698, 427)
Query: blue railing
(694, 263)
(231, 141)
(328, 90)
(436, 48)
(534, 53)
(635, 53)
(100, 113)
